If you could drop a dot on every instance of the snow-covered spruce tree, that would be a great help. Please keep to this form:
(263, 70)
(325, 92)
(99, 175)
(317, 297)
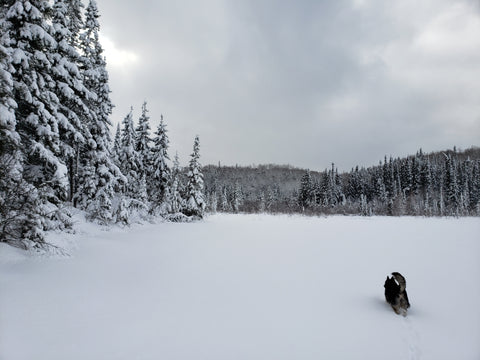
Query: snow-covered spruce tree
(129, 163)
(143, 142)
(95, 156)
(27, 31)
(272, 198)
(426, 186)
(73, 111)
(115, 150)
(18, 199)
(174, 196)
(195, 199)
(237, 197)
(451, 188)
(161, 183)
(224, 203)
(128, 159)
(212, 202)
(306, 193)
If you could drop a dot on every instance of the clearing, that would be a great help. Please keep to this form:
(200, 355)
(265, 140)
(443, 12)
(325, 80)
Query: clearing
(246, 287)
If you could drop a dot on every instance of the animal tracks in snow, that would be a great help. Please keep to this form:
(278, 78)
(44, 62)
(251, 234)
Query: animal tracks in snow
(412, 339)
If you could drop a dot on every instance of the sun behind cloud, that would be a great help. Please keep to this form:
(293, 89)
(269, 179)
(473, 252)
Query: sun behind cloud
(117, 57)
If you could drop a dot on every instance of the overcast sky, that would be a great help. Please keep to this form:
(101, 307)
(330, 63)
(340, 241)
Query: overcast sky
(304, 83)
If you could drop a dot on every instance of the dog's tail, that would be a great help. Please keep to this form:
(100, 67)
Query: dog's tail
(400, 280)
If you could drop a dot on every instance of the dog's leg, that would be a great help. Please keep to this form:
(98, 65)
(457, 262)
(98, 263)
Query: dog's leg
(396, 308)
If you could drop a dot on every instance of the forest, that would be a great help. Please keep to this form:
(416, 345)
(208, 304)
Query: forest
(56, 151)
(445, 183)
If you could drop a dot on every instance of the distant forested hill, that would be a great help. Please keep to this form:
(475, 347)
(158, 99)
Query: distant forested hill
(435, 184)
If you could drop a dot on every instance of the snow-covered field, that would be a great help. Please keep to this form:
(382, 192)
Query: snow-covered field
(246, 287)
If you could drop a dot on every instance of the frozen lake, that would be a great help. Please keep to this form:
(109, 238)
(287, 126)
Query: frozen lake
(246, 287)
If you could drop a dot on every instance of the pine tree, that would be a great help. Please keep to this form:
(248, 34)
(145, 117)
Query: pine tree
(354, 187)
(17, 198)
(306, 194)
(175, 199)
(272, 198)
(117, 144)
(72, 94)
(426, 186)
(325, 189)
(161, 183)
(381, 191)
(96, 154)
(212, 202)
(142, 142)
(451, 189)
(27, 38)
(195, 199)
(388, 177)
(128, 157)
(237, 197)
(225, 205)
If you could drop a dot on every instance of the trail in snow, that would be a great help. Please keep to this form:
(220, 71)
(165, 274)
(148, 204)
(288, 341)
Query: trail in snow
(412, 339)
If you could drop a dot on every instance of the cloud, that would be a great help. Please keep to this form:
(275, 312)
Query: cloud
(302, 82)
(117, 57)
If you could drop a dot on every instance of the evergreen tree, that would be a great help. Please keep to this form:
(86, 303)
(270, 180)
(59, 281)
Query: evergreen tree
(237, 197)
(72, 94)
(195, 199)
(142, 142)
(160, 187)
(272, 198)
(117, 144)
(388, 177)
(175, 199)
(451, 189)
(27, 38)
(325, 189)
(306, 193)
(18, 199)
(128, 157)
(212, 202)
(225, 205)
(426, 186)
(96, 154)
(380, 190)
(354, 186)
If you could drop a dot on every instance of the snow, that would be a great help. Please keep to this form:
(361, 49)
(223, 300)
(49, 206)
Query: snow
(246, 287)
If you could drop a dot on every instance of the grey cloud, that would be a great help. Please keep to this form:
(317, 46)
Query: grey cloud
(304, 82)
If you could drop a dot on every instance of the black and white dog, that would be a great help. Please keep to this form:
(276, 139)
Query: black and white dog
(395, 293)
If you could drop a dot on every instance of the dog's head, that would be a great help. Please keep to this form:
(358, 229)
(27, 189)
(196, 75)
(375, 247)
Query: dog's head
(400, 280)
(390, 283)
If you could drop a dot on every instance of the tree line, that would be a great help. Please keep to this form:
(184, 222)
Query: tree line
(55, 142)
(437, 184)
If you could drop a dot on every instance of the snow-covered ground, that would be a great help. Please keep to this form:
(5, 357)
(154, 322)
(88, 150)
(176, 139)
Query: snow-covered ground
(246, 287)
